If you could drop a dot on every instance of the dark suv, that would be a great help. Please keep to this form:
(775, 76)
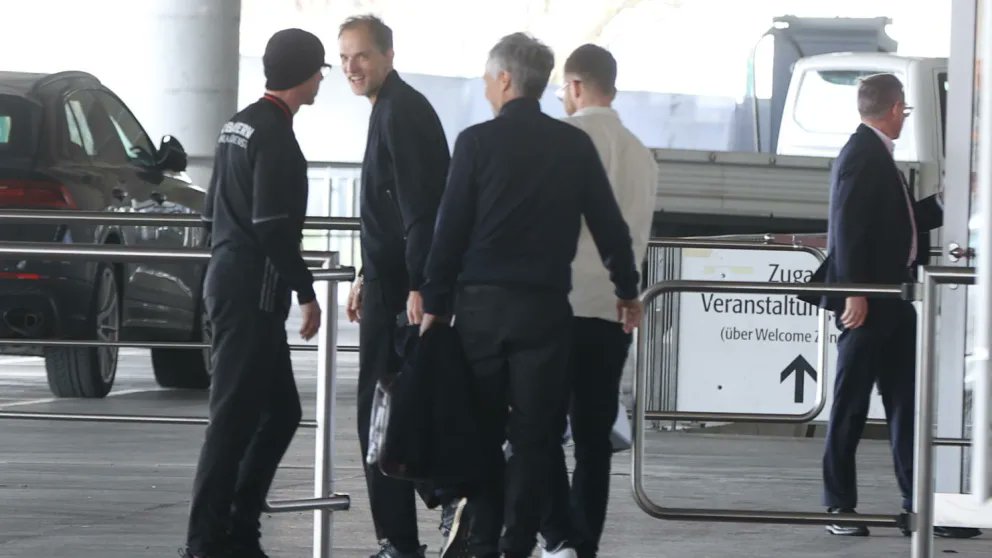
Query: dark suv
(68, 143)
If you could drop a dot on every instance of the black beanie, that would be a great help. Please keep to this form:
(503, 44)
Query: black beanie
(291, 57)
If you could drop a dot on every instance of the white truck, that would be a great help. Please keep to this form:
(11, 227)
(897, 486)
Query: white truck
(710, 193)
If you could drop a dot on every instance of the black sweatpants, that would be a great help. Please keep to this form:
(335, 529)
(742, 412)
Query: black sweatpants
(517, 343)
(394, 511)
(254, 412)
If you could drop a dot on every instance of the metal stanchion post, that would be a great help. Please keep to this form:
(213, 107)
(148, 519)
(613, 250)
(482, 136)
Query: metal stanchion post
(326, 392)
(923, 478)
(922, 520)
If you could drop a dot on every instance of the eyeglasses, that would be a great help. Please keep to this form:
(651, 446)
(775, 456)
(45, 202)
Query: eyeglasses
(560, 93)
(325, 70)
(907, 110)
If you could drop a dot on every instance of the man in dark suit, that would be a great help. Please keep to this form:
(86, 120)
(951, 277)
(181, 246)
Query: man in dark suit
(874, 236)
(500, 261)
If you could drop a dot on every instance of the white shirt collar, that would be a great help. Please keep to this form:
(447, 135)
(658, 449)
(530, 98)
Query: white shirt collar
(890, 144)
(595, 110)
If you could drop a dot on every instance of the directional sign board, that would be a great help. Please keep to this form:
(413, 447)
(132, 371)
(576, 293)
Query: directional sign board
(751, 353)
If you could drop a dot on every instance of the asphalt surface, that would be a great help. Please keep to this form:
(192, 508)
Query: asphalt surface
(88, 490)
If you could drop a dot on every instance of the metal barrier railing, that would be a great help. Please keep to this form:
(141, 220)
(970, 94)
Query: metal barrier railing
(640, 397)
(127, 254)
(921, 520)
(324, 501)
(57, 217)
(766, 245)
(923, 477)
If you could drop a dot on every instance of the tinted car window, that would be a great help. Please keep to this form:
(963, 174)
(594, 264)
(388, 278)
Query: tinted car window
(137, 145)
(93, 131)
(18, 128)
(80, 139)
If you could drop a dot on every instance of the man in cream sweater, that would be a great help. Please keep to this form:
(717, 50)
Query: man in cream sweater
(599, 344)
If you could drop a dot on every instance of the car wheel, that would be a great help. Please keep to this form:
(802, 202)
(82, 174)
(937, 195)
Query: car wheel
(90, 371)
(186, 368)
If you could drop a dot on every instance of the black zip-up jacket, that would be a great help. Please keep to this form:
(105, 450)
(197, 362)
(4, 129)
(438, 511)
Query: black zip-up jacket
(403, 174)
(255, 209)
(518, 189)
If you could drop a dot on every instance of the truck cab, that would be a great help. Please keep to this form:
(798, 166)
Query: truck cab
(718, 193)
(821, 106)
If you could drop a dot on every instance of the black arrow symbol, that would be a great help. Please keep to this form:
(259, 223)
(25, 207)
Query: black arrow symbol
(801, 367)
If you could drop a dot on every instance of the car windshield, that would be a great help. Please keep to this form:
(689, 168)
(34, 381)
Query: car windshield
(18, 129)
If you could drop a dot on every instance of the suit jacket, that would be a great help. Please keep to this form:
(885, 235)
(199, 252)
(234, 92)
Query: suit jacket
(869, 232)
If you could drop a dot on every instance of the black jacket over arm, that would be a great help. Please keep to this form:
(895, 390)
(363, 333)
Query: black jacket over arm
(518, 187)
(870, 232)
(403, 175)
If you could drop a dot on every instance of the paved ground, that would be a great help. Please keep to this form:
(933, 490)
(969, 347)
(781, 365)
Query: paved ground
(122, 491)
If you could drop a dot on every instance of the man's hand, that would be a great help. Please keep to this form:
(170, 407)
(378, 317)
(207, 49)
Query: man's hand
(630, 313)
(414, 308)
(354, 309)
(430, 320)
(311, 319)
(855, 312)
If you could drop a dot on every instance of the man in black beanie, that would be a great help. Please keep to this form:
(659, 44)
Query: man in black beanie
(254, 212)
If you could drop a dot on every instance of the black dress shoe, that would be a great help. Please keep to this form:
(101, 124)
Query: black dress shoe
(956, 532)
(942, 532)
(846, 530)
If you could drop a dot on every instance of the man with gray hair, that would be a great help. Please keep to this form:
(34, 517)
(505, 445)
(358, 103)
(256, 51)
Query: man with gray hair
(874, 234)
(500, 262)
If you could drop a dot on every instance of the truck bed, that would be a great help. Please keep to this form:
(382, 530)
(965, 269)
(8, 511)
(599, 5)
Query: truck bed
(748, 185)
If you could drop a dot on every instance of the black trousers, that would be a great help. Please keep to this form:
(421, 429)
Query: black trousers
(394, 512)
(881, 352)
(517, 342)
(254, 412)
(577, 515)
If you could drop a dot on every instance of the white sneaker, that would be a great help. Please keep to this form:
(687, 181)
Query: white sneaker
(561, 551)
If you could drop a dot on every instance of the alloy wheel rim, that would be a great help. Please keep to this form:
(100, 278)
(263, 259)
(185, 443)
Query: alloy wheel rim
(107, 324)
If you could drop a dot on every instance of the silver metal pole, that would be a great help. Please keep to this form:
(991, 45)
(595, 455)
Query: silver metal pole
(326, 392)
(120, 419)
(922, 520)
(58, 217)
(126, 344)
(956, 442)
(119, 253)
(334, 502)
(823, 348)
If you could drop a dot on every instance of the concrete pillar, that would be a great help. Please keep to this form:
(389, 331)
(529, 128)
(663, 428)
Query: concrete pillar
(190, 85)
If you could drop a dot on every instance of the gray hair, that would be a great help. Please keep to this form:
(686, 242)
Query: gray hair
(877, 94)
(528, 61)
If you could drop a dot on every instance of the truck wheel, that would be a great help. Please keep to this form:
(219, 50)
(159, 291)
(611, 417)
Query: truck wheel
(90, 371)
(186, 368)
